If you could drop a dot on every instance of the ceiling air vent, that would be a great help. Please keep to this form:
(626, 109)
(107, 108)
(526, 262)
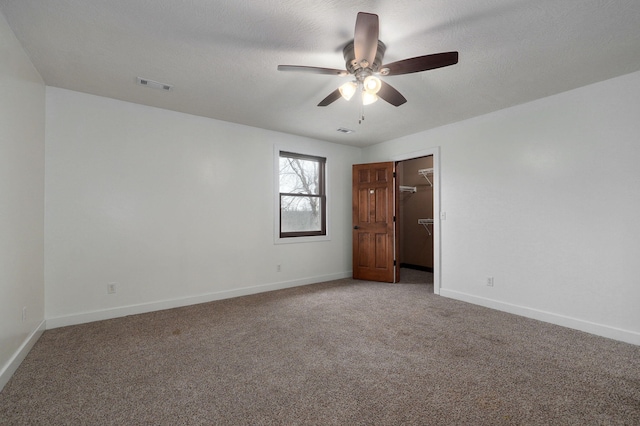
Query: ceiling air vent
(153, 84)
(345, 131)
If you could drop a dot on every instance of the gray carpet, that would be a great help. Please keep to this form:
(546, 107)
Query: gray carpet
(344, 352)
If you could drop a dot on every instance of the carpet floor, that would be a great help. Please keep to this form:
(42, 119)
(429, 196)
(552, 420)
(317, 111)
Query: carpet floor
(344, 352)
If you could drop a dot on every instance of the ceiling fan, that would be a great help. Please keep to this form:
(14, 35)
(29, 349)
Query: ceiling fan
(363, 57)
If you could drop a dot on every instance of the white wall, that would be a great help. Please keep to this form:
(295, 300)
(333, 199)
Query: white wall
(174, 208)
(545, 197)
(22, 103)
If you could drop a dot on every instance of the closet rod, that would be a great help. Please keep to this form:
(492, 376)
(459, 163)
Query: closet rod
(408, 188)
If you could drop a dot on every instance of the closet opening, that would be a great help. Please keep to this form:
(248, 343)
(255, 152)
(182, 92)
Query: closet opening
(415, 220)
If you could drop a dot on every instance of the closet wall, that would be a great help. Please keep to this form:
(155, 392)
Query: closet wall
(416, 245)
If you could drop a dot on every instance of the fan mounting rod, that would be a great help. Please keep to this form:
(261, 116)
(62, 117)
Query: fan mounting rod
(363, 69)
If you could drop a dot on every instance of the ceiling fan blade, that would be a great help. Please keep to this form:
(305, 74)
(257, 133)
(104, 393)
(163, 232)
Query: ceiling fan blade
(333, 96)
(420, 63)
(312, 70)
(365, 40)
(391, 95)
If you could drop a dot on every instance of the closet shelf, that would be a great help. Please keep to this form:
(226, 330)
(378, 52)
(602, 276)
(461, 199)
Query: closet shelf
(408, 188)
(426, 223)
(424, 173)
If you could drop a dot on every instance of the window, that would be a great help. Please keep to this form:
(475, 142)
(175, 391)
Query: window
(302, 196)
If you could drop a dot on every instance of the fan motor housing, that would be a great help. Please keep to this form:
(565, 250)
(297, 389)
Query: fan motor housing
(350, 58)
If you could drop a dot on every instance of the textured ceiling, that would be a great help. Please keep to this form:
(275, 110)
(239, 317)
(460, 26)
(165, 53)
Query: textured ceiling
(222, 56)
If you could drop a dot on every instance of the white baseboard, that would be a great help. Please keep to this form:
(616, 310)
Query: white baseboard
(142, 308)
(627, 336)
(17, 358)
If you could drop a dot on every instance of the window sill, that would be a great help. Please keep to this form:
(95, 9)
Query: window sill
(293, 240)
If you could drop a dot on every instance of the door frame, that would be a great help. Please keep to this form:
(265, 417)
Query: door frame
(435, 152)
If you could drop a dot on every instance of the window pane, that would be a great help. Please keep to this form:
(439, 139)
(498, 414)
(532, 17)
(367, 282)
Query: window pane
(300, 214)
(299, 176)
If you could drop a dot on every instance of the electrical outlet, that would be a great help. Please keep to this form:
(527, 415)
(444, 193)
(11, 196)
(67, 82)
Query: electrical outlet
(111, 288)
(278, 268)
(490, 281)
(24, 313)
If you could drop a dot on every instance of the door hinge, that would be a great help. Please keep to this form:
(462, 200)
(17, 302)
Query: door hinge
(394, 218)
(394, 174)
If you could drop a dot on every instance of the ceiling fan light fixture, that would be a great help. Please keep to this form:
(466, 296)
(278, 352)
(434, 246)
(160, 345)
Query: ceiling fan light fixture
(348, 89)
(368, 98)
(364, 61)
(372, 84)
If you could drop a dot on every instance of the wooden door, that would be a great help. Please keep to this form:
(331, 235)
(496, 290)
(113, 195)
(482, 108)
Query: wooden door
(373, 222)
